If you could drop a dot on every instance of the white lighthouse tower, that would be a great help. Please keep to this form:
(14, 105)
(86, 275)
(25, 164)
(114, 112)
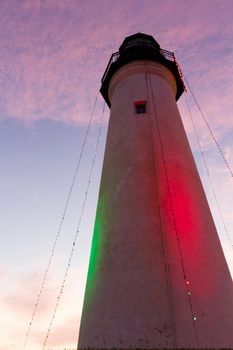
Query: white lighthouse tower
(157, 275)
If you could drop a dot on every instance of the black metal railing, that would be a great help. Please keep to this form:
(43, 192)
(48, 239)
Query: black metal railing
(168, 55)
(113, 58)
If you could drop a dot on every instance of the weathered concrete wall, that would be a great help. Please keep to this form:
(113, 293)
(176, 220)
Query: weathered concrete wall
(152, 223)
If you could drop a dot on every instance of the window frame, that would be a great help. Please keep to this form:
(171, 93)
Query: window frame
(140, 107)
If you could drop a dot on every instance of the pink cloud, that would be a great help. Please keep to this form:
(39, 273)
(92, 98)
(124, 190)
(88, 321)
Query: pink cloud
(18, 303)
(22, 300)
(54, 60)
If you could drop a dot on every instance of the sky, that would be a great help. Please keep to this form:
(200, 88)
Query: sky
(52, 56)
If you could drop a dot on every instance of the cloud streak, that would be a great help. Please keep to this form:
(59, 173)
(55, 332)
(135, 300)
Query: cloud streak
(56, 51)
(17, 306)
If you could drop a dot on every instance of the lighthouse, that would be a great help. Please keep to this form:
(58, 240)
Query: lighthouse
(157, 275)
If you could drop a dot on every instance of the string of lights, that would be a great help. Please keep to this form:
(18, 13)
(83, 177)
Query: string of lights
(163, 238)
(208, 174)
(186, 280)
(60, 224)
(210, 130)
(77, 230)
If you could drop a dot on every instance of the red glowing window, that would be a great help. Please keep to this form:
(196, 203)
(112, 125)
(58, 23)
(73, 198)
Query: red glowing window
(140, 107)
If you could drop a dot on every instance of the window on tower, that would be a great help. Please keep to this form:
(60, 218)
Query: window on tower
(140, 107)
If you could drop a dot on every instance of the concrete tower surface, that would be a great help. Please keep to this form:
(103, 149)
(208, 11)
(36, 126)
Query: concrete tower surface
(157, 274)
